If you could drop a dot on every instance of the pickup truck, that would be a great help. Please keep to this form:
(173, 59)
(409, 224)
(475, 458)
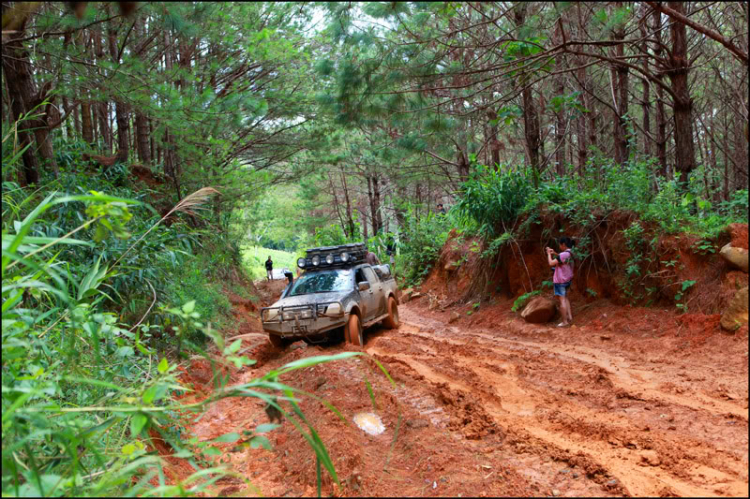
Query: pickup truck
(331, 301)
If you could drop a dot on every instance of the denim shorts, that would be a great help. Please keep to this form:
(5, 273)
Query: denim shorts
(562, 289)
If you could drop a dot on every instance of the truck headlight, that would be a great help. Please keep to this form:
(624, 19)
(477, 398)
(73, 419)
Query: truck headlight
(270, 314)
(301, 263)
(344, 257)
(288, 316)
(316, 260)
(306, 314)
(329, 259)
(333, 310)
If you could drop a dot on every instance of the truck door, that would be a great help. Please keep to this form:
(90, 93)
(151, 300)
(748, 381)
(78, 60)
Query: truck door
(378, 299)
(367, 301)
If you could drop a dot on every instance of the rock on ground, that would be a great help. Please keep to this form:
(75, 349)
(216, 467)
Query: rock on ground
(650, 457)
(736, 313)
(540, 310)
(738, 257)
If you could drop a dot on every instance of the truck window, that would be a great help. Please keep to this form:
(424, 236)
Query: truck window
(370, 274)
(359, 276)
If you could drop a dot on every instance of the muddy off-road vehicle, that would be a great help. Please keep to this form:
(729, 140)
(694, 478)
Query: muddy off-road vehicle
(336, 297)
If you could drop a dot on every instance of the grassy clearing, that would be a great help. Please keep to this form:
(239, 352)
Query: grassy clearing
(254, 258)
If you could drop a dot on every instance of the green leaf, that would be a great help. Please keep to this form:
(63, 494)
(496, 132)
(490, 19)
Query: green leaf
(265, 428)
(150, 394)
(687, 284)
(189, 307)
(213, 451)
(227, 438)
(128, 449)
(163, 366)
(137, 422)
(233, 347)
(256, 442)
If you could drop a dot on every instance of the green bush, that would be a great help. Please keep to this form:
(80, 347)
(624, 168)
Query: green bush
(420, 242)
(493, 198)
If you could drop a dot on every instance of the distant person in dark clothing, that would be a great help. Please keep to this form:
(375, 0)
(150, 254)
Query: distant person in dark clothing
(441, 208)
(269, 268)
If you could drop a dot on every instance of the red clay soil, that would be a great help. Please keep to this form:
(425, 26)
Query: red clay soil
(629, 401)
(739, 235)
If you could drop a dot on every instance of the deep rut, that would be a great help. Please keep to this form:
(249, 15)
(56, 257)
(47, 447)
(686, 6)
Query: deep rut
(624, 421)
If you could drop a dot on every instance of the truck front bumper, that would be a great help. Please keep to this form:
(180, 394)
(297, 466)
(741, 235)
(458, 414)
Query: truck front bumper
(296, 327)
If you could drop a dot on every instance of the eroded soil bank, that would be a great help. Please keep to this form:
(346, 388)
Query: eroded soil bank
(489, 405)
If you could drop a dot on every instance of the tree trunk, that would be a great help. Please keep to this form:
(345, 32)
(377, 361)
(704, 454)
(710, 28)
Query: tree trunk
(141, 121)
(121, 109)
(491, 138)
(102, 109)
(619, 82)
(141, 130)
(21, 90)
(530, 116)
(661, 115)
(646, 102)
(349, 217)
(376, 197)
(560, 152)
(87, 127)
(152, 145)
(726, 158)
(29, 173)
(683, 106)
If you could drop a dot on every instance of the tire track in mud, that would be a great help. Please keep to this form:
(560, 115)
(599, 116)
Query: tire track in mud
(576, 404)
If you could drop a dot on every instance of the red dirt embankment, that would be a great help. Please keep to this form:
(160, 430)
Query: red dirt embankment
(652, 271)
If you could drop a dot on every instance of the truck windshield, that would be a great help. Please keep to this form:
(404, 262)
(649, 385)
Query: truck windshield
(322, 282)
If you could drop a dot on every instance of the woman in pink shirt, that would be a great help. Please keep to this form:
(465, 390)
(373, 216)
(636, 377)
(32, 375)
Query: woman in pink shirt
(563, 265)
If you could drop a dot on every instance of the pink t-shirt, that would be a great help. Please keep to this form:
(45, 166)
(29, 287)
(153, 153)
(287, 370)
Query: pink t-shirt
(564, 270)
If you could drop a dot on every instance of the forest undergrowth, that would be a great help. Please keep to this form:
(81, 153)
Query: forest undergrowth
(103, 298)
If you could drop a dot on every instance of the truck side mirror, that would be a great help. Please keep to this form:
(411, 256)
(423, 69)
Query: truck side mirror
(364, 286)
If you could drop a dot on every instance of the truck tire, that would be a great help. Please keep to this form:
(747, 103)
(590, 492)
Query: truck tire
(391, 322)
(278, 342)
(353, 331)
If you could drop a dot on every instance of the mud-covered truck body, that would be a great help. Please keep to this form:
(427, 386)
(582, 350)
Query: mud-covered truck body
(338, 295)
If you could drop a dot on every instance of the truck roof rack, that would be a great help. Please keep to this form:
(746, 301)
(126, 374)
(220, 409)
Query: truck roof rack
(344, 255)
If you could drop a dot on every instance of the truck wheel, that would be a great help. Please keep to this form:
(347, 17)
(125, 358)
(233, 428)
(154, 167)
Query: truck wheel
(353, 332)
(278, 342)
(391, 322)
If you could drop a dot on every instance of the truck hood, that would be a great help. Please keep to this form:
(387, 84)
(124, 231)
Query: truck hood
(311, 299)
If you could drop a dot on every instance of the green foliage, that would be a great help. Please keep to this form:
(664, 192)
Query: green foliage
(493, 198)
(420, 244)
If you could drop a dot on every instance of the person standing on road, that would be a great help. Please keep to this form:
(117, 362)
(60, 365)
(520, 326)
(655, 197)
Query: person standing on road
(563, 276)
(372, 258)
(269, 269)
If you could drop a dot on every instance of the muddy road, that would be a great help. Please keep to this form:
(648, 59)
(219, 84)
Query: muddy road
(506, 409)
